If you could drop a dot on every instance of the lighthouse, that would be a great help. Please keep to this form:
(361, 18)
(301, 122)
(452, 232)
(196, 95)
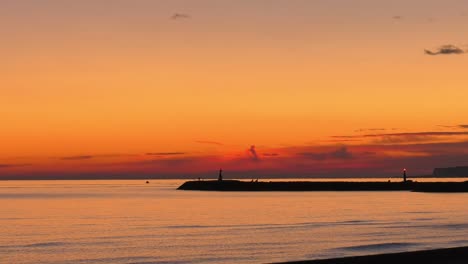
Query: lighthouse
(220, 176)
(404, 175)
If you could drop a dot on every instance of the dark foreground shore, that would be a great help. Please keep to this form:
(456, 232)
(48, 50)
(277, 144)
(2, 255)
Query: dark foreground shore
(437, 256)
(234, 185)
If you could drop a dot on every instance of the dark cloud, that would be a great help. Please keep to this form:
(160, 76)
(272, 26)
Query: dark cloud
(454, 127)
(346, 137)
(6, 166)
(447, 126)
(165, 153)
(341, 153)
(445, 50)
(83, 157)
(404, 134)
(209, 142)
(397, 17)
(87, 157)
(424, 133)
(370, 129)
(368, 153)
(270, 154)
(253, 153)
(405, 137)
(177, 16)
(341, 140)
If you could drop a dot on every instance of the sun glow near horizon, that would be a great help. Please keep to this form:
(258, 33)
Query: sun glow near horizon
(319, 88)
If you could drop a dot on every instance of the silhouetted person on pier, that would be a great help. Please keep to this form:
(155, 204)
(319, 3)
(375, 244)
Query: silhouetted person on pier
(220, 177)
(404, 175)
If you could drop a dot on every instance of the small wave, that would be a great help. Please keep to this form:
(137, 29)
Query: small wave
(461, 242)
(131, 259)
(455, 226)
(159, 262)
(45, 244)
(356, 222)
(190, 226)
(419, 212)
(425, 219)
(438, 226)
(278, 226)
(378, 246)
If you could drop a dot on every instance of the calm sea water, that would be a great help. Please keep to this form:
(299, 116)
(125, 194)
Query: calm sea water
(133, 222)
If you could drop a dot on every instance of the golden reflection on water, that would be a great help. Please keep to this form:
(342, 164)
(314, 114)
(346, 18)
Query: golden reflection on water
(133, 222)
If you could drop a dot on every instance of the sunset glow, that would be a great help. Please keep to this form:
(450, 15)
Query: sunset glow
(104, 89)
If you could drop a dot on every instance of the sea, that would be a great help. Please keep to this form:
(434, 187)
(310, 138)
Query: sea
(131, 221)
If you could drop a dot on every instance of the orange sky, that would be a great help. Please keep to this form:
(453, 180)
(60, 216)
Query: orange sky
(91, 87)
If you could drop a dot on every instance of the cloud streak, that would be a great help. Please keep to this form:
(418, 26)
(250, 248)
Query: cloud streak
(6, 166)
(404, 134)
(82, 157)
(209, 142)
(370, 129)
(340, 153)
(177, 16)
(446, 50)
(165, 153)
(375, 159)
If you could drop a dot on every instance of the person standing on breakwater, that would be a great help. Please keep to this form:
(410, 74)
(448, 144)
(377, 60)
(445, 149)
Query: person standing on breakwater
(220, 176)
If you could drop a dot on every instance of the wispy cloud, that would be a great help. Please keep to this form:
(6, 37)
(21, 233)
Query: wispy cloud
(165, 153)
(409, 137)
(82, 157)
(367, 159)
(454, 126)
(424, 133)
(340, 153)
(209, 142)
(370, 129)
(446, 50)
(6, 166)
(177, 16)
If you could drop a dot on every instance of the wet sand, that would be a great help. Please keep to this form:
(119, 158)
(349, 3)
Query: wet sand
(457, 255)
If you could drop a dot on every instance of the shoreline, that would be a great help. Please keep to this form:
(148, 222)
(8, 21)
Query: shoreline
(457, 255)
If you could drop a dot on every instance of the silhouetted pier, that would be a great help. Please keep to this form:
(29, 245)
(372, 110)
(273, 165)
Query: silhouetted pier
(289, 186)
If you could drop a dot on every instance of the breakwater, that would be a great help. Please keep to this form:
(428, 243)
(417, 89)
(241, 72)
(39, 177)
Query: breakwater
(235, 185)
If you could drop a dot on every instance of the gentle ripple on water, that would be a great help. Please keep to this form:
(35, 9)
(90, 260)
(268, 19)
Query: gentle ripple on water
(133, 222)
